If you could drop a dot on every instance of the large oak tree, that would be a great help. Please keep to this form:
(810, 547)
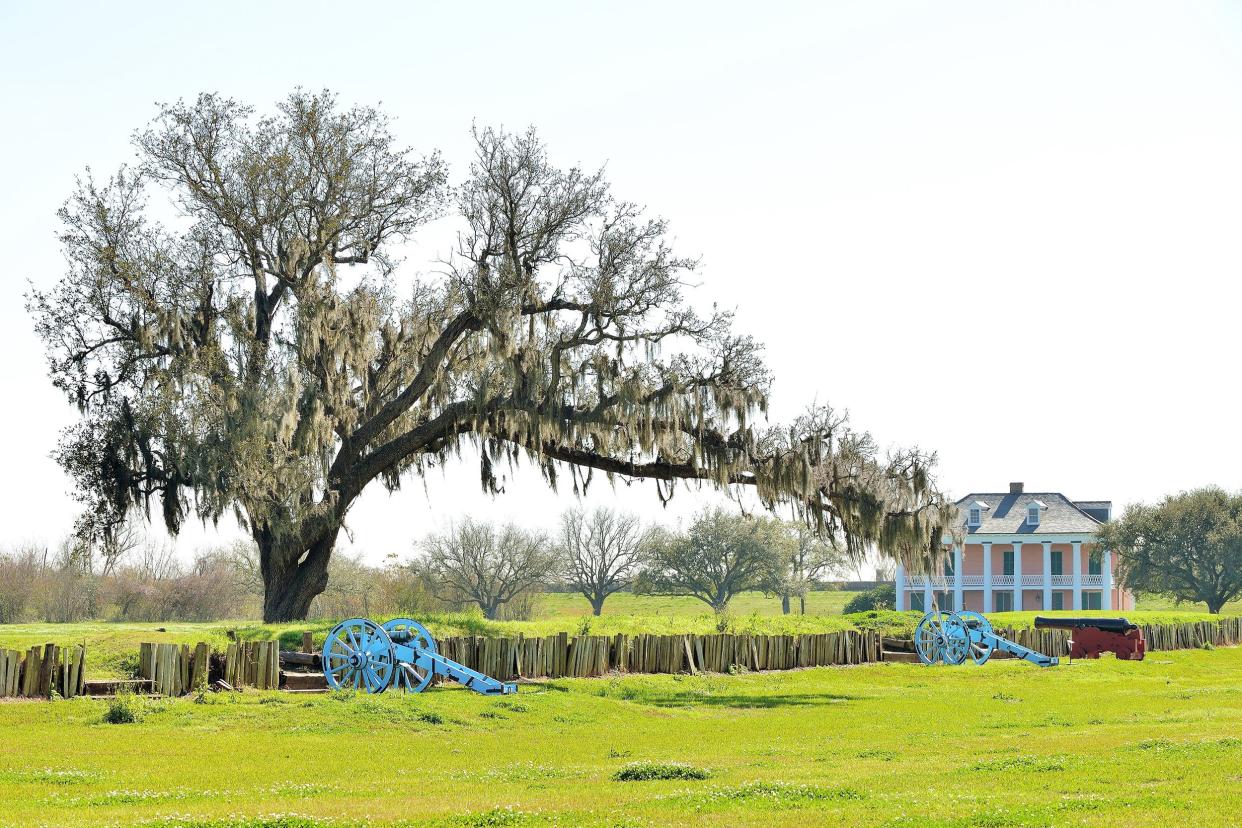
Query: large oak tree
(1188, 546)
(259, 354)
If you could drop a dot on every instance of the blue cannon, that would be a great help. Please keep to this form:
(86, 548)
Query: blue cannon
(400, 653)
(951, 638)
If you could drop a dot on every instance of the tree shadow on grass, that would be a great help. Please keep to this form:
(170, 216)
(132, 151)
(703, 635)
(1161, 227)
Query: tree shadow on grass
(693, 699)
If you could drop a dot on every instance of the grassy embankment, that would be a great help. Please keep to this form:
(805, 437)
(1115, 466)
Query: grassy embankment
(112, 648)
(1106, 743)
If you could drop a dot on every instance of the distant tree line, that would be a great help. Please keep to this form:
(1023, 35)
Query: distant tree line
(500, 569)
(601, 552)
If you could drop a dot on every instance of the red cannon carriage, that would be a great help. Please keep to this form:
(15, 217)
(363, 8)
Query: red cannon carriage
(1092, 636)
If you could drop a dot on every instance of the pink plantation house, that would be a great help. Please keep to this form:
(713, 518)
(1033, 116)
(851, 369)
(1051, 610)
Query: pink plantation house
(1022, 550)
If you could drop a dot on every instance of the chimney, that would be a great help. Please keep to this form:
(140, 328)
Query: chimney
(1015, 488)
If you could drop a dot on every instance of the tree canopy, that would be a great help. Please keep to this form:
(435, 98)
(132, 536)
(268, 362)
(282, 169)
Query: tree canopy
(718, 555)
(261, 353)
(1188, 546)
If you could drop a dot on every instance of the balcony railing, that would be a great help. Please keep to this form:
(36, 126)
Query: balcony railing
(1003, 582)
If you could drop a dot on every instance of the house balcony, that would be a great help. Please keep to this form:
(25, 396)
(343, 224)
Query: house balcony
(1002, 582)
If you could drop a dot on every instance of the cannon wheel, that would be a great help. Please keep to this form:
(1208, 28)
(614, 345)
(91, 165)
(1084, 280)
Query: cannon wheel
(358, 655)
(980, 651)
(956, 640)
(929, 638)
(410, 677)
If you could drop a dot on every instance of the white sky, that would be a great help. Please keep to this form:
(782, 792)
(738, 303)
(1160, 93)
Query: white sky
(1006, 232)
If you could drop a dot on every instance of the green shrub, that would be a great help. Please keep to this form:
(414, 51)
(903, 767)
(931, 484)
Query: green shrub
(124, 709)
(883, 597)
(647, 771)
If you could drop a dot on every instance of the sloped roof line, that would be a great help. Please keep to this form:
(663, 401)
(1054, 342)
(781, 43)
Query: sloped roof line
(1077, 505)
(1063, 515)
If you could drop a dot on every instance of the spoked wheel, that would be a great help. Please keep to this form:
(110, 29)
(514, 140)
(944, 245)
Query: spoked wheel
(956, 640)
(358, 654)
(410, 677)
(929, 637)
(980, 651)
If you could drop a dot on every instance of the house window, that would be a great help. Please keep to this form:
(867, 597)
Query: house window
(1032, 515)
(1007, 562)
(1058, 562)
(975, 516)
(948, 567)
(1093, 564)
(1003, 601)
(1058, 600)
(916, 601)
(1091, 600)
(945, 600)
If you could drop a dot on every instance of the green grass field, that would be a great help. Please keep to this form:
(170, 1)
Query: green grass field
(566, 604)
(1103, 743)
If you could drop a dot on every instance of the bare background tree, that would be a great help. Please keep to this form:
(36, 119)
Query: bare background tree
(601, 552)
(487, 565)
(261, 359)
(719, 555)
(808, 557)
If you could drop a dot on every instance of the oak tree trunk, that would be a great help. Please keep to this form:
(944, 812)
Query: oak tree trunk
(292, 577)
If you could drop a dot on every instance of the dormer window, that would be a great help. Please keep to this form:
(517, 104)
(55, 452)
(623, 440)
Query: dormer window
(1032, 512)
(974, 515)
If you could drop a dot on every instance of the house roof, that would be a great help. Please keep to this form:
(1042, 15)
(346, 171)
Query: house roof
(1007, 515)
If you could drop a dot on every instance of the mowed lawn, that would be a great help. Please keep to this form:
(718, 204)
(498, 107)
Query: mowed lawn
(1105, 743)
(568, 604)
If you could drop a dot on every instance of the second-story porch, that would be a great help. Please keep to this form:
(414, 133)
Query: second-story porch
(1036, 572)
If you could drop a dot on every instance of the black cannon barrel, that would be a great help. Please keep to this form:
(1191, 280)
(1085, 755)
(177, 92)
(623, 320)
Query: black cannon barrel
(1116, 625)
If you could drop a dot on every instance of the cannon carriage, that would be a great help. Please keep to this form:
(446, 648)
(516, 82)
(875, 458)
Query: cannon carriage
(951, 638)
(1093, 636)
(399, 654)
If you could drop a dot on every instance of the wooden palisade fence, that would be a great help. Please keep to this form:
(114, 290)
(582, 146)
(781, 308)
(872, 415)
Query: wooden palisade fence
(557, 656)
(176, 669)
(43, 672)
(253, 664)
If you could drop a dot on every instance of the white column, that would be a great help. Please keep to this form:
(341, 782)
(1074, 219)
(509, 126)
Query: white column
(927, 592)
(1077, 574)
(1106, 572)
(1017, 576)
(957, 577)
(1047, 575)
(901, 588)
(987, 576)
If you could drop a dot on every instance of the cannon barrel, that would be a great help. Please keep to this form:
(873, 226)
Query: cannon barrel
(1114, 625)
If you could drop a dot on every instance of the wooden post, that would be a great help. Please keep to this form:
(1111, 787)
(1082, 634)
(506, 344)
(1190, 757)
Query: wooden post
(6, 669)
(308, 642)
(81, 688)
